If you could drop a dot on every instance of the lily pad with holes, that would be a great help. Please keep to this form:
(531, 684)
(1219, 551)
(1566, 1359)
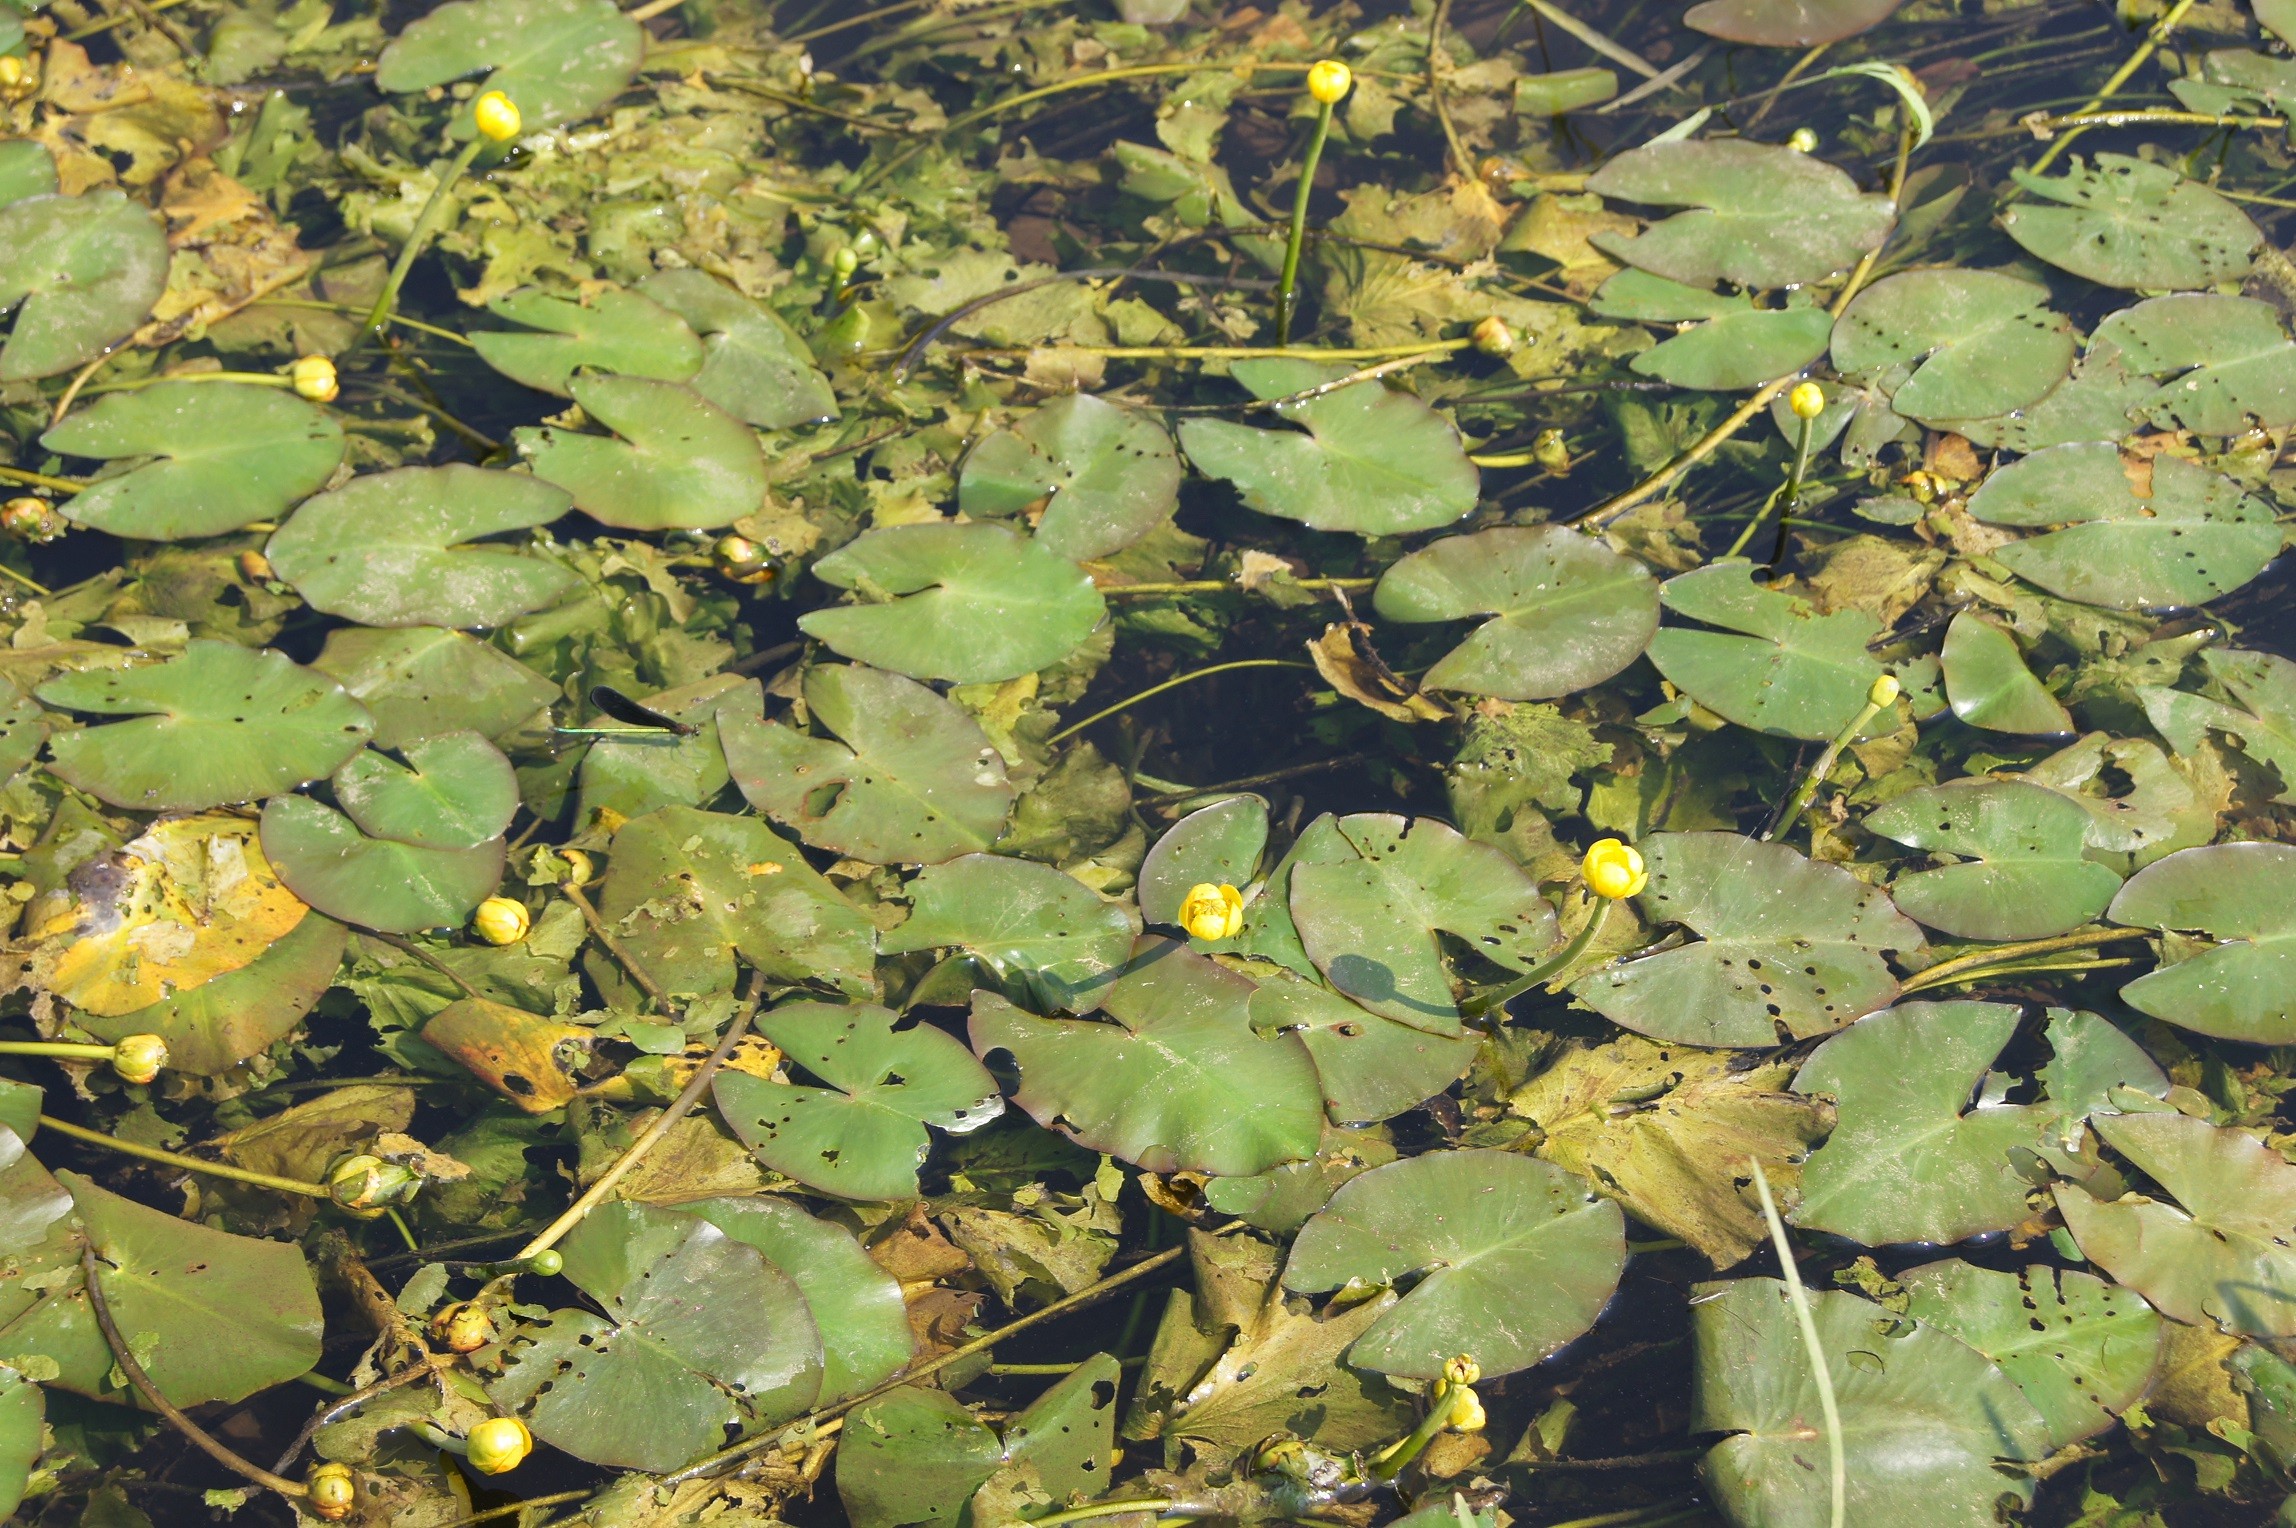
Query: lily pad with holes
(754, 366)
(227, 455)
(1977, 342)
(81, 271)
(906, 778)
(1216, 845)
(1517, 1258)
(421, 680)
(972, 603)
(1988, 685)
(1788, 23)
(1570, 611)
(1792, 672)
(2025, 875)
(557, 59)
(1788, 945)
(1738, 345)
(376, 883)
(2258, 714)
(614, 331)
(2244, 897)
(916, 1457)
(455, 790)
(679, 463)
(1047, 932)
(2128, 222)
(2138, 533)
(1761, 214)
(1371, 1067)
(1365, 458)
(856, 1305)
(862, 1136)
(2229, 365)
(2097, 401)
(218, 724)
(389, 548)
(1105, 476)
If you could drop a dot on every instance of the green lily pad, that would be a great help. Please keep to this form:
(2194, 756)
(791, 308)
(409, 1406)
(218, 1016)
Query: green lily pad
(228, 455)
(617, 332)
(915, 1458)
(1738, 345)
(2259, 717)
(681, 462)
(910, 778)
(26, 169)
(2130, 223)
(1365, 459)
(2025, 876)
(658, 1379)
(1180, 1081)
(2160, 812)
(2096, 402)
(686, 890)
(2081, 1349)
(862, 1136)
(2224, 1253)
(1931, 1430)
(557, 59)
(976, 603)
(1372, 1068)
(634, 775)
(86, 270)
(1517, 1258)
(2233, 366)
(211, 1028)
(1570, 611)
(2191, 536)
(856, 1305)
(387, 549)
(1762, 215)
(1216, 845)
(1106, 475)
(2244, 897)
(1978, 342)
(1373, 910)
(375, 883)
(220, 723)
(1909, 1160)
(1788, 23)
(1988, 685)
(1791, 947)
(455, 790)
(420, 680)
(1043, 930)
(1795, 672)
(754, 366)
(23, 1418)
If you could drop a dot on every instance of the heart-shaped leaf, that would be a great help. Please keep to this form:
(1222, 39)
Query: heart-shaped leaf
(228, 455)
(2243, 896)
(1738, 346)
(1795, 672)
(26, 169)
(2258, 715)
(86, 269)
(2233, 367)
(614, 331)
(557, 59)
(2096, 402)
(1988, 685)
(455, 791)
(218, 724)
(2130, 223)
(214, 1026)
(1106, 475)
(754, 366)
(1372, 1068)
(387, 549)
(420, 680)
(2026, 875)
(375, 883)
(1788, 23)
(1761, 214)
(917, 1456)
(1216, 845)
(681, 462)
(1975, 342)
(1035, 926)
(856, 1304)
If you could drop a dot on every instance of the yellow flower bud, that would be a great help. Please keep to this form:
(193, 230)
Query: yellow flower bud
(1551, 451)
(138, 1058)
(498, 1445)
(496, 116)
(579, 871)
(1493, 337)
(314, 379)
(363, 1184)
(1462, 1370)
(463, 1327)
(1802, 140)
(30, 519)
(255, 567)
(333, 1491)
(1328, 81)
(1614, 870)
(499, 920)
(1212, 912)
(11, 72)
(1467, 1411)
(1807, 400)
(1885, 691)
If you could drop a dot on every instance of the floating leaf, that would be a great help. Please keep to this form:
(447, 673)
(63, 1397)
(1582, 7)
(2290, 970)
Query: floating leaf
(1570, 611)
(2130, 223)
(2243, 896)
(557, 59)
(681, 462)
(2026, 875)
(420, 680)
(455, 791)
(614, 331)
(375, 883)
(1217, 845)
(911, 779)
(1788, 23)
(1795, 672)
(216, 725)
(1762, 215)
(1106, 476)
(863, 1135)
(979, 603)
(753, 364)
(915, 1458)
(1366, 459)
(228, 456)
(213, 1027)
(1518, 1257)
(632, 775)
(1372, 1068)
(26, 169)
(856, 1305)
(387, 549)
(1977, 342)
(1035, 926)
(86, 269)
(2260, 718)
(23, 1416)
(2235, 369)
(1738, 346)
(1791, 946)
(1988, 684)
(533, 1061)
(2095, 402)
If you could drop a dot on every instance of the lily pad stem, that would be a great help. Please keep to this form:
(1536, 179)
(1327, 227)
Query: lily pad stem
(62, 1049)
(40, 480)
(1980, 963)
(620, 952)
(1307, 164)
(1786, 497)
(1808, 789)
(1170, 684)
(1476, 1007)
(426, 222)
(1217, 585)
(1838, 1473)
(188, 1164)
(1162, 1506)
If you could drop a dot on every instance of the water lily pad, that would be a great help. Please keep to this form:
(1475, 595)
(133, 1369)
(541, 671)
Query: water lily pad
(1106, 476)
(2025, 876)
(1788, 23)
(1988, 685)
(1517, 1257)
(1371, 1067)
(915, 1458)
(375, 883)
(1179, 1081)
(1762, 215)
(2139, 532)
(387, 549)
(1047, 932)
(557, 59)
(228, 456)
(856, 1305)
(26, 169)
(86, 270)
(2243, 896)
(2259, 718)
(615, 331)
(23, 1415)
(1366, 459)
(2131, 223)
(420, 680)
(1795, 672)
(908, 779)
(632, 775)
(2234, 367)
(681, 462)
(1791, 947)
(2096, 402)
(455, 790)
(1979, 342)
(1372, 914)
(862, 1136)
(1570, 611)
(214, 1026)
(218, 724)
(976, 603)
(754, 366)
(1738, 345)
(2224, 1252)
(1217, 845)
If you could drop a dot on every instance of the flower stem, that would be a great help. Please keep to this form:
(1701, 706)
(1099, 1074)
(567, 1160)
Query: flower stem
(64, 1049)
(1170, 684)
(188, 1164)
(1800, 1299)
(1476, 1007)
(1980, 963)
(1290, 276)
(1803, 793)
(1397, 1458)
(379, 316)
(1786, 497)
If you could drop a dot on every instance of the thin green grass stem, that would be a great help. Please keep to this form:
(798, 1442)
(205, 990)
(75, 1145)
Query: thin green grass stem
(1838, 1481)
(1171, 684)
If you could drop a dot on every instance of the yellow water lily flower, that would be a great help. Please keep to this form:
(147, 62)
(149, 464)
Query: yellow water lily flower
(496, 116)
(1614, 869)
(333, 1492)
(498, 1445)
(499, 920)
(1328, 81)
(1885, 691)
(314, 379)
(1212, 912)
(1807, 400)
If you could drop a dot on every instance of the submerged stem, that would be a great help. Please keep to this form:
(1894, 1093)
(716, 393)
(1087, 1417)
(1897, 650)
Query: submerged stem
(188, 1164)
(426, 223)
(1171, 684)
(1978, 963)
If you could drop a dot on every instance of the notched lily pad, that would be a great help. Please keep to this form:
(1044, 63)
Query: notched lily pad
(2131, 223)
(1963, 343)
(2230, 366)
(228, 455)
(2244, 897)
(81, 272)
(1794, 672)
(2027, 875)
(1048, 933)
(679, 463)
(376, 883)
(754, 366)
(1105, 476)
(1762, 215)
